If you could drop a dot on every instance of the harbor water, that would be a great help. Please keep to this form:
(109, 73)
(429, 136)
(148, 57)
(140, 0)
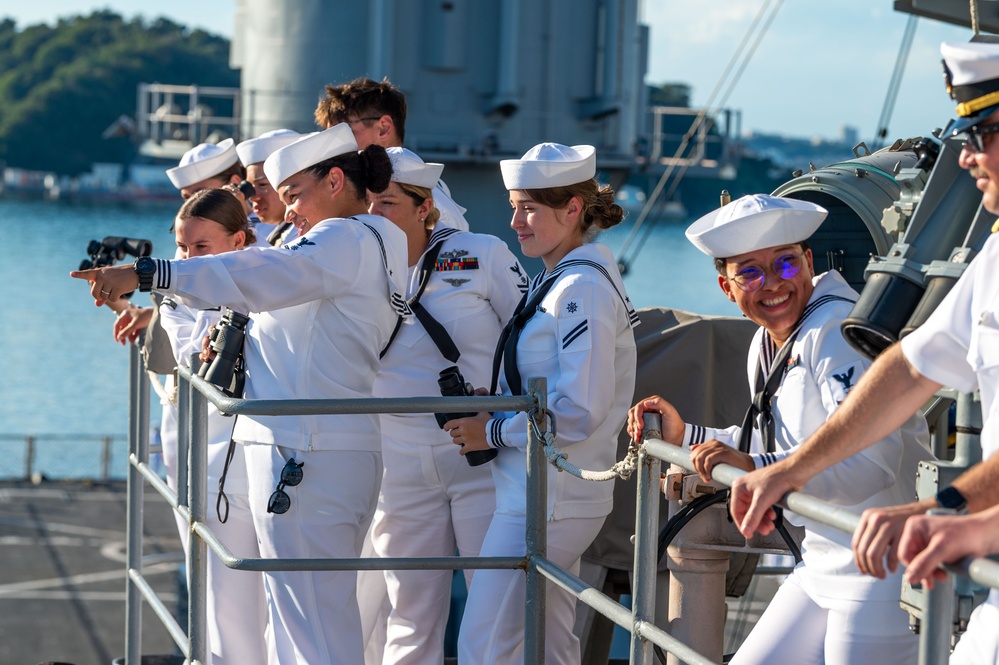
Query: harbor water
(63, 379)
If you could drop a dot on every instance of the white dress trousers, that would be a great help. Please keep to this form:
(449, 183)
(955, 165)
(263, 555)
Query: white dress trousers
(492, 631)
(312, 615)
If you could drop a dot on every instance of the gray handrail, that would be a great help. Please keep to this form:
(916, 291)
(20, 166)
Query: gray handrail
(935, 632)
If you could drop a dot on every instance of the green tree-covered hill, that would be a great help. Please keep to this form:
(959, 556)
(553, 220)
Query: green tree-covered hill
(61, 86)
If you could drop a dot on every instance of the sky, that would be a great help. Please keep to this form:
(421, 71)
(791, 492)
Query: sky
(819, 66)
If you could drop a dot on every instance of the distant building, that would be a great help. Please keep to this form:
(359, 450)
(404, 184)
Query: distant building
(849, 134)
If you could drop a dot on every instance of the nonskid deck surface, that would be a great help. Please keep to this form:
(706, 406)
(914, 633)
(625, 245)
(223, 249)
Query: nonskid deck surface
(62, 582)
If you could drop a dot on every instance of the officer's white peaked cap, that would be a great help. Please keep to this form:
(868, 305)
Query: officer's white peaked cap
(203, 161)
(755, 222)
(972, 75)
(550, 165)
(409, 169)
(308, 151)
(254, 151)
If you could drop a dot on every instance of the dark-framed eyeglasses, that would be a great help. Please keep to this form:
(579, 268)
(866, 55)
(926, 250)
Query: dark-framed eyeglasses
(785, 266)
(976, 136)
(291, 475)
(357, 120)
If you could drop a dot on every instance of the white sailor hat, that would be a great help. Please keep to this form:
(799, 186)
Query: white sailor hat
(972, 74)
(307, 151)
(254, 151)
(408, 168)
(550, 165)
(203, 161)
(754, 222)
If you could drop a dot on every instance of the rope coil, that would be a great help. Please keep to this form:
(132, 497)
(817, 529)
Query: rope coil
(560, 460)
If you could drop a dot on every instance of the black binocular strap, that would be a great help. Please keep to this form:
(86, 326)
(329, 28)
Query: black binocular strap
(275, 235)
(760, 413)
(436, 331)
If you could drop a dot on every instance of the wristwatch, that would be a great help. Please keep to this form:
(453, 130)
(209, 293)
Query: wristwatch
(950, 497)
(145, 268)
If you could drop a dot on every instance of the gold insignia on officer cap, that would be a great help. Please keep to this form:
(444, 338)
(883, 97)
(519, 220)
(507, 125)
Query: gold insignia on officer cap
(308, 151)
(755, 222)
(202, 162)
(971, 72)
(550, 165)
(409, 169)
(254, 151)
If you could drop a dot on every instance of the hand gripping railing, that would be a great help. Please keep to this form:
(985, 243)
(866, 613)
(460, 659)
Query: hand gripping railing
(935, 630)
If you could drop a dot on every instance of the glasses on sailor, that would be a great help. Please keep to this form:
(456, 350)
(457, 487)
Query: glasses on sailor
(976, 136)
(291, 475)
(785, 266)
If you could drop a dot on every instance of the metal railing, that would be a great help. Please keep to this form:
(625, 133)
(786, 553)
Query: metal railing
(938, 610)
(195, 394)
(31, 457)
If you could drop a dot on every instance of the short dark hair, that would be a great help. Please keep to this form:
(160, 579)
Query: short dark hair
(720, 263)
(236, 169)
(369, 169)
(362, 98)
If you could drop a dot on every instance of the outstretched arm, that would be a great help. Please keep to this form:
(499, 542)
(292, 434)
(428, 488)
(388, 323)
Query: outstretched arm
(887, 395)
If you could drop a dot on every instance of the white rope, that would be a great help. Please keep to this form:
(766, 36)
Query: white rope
(623, 469)
(169, 396)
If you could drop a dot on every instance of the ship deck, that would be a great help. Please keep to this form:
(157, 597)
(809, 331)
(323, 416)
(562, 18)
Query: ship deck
(62, 585)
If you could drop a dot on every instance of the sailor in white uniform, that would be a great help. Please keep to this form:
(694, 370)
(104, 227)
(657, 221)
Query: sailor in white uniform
(271, 229)
(432, 502)
(800, 368)
(322, 309)
(576, 330)
(207, 165)
(211, 222)
(957, 346)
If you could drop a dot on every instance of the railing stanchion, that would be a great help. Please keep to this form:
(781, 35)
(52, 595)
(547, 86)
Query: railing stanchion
(643, 598)
(183, 440)
(29, 457)
(138, 447)
(937, 622)
(198, 562)
(106, 459)
(537, 535)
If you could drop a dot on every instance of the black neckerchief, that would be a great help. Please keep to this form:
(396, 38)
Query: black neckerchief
(760, 413)
(506, 347)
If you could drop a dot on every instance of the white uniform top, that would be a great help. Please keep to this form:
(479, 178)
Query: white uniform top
(821, 370)
(323, 308)
(958, 346)
(472, 293)
(581, 340)
(187, 327)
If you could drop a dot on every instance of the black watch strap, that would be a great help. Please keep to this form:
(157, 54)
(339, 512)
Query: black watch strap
(145, 268)
(951, 497)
